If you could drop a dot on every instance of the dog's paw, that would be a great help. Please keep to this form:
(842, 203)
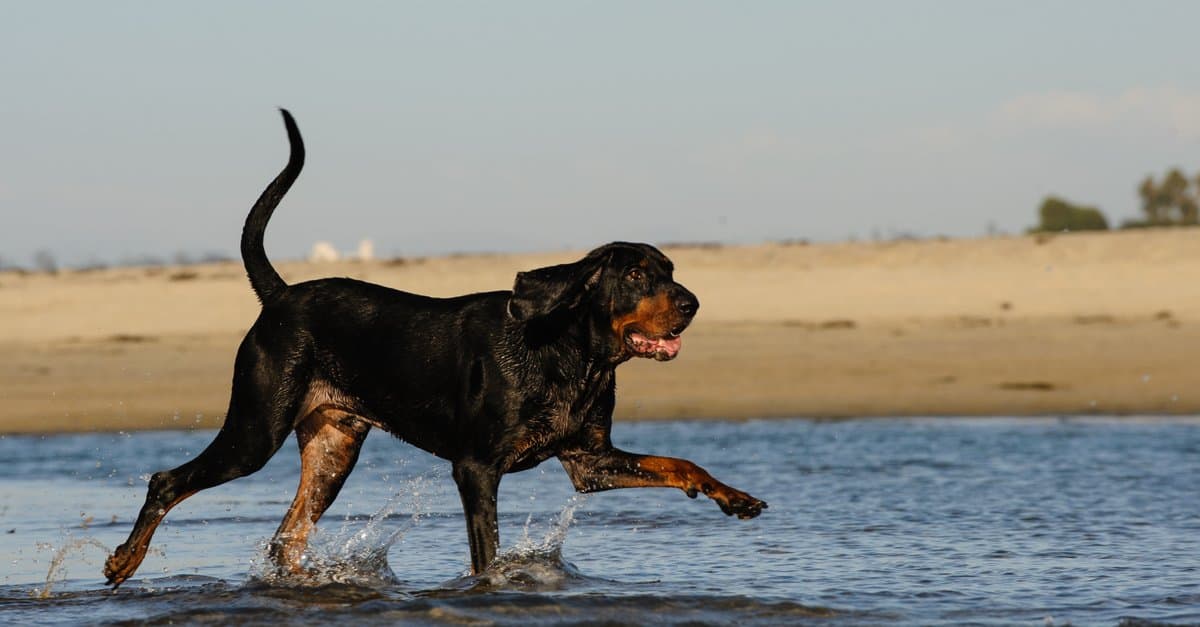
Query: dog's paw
(119, 566)
(740, 504)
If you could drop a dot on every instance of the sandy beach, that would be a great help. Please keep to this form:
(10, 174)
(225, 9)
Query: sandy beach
(1104, 323)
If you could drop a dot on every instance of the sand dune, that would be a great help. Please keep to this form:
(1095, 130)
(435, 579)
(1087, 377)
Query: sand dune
(1104, 323)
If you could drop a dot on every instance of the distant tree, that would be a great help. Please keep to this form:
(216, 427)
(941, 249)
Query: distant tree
(1169, 203)
(1176, 195)
(1153, 206)
(1060, 215)
(1188, 211)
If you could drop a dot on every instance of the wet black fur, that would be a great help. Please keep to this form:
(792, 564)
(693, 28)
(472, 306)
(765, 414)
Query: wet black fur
(494, 382)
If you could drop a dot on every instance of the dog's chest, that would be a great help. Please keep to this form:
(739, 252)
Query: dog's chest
(559, 418)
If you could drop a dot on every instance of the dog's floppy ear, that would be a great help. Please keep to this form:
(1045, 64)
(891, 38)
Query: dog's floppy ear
(543, 291)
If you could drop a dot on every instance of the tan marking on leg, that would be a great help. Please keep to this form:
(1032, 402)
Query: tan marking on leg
(676, 473)
(330, 440)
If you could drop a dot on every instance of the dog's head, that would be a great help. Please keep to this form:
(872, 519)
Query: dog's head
(628, 289)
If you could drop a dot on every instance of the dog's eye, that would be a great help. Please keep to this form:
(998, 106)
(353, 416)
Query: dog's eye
(635, 274)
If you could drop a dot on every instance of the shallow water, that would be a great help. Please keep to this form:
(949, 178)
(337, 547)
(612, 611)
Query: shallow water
(983, 521)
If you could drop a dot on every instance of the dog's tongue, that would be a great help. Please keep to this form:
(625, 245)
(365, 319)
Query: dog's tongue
(667, 346)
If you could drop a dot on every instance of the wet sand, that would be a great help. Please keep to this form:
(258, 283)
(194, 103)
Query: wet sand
(1072, 324)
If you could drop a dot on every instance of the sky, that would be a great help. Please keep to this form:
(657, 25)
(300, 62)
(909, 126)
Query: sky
(135, 130)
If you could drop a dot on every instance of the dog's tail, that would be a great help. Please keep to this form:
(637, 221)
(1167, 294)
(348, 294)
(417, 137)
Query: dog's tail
(264, 279)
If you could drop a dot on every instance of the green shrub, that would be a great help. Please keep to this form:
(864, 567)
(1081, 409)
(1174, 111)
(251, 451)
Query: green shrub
(1059, 215)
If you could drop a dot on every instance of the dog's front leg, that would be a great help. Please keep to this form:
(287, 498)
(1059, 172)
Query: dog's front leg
(477, 485)
(609, 469)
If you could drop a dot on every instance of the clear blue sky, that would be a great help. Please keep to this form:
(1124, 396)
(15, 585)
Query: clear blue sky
(148, 128)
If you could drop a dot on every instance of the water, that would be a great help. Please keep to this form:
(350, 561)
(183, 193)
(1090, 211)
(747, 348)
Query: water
(979, 521)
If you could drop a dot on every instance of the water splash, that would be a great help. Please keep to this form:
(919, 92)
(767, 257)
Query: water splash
(355, 553)
(536, 563)
(58, 571)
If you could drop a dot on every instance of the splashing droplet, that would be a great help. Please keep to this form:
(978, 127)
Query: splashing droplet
(59, 558)
(534, 563)
(352, 554)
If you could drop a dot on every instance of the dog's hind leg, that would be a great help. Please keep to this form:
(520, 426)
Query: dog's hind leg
(260, 418)
(330, 440)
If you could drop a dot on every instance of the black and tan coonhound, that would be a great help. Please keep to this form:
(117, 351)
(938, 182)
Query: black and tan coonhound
(494, 382)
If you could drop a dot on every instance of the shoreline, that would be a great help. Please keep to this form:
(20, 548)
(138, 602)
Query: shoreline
(1099, 419)
(1078, 324)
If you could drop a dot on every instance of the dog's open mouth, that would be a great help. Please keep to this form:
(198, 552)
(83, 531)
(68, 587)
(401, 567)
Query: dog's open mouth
(660, 348)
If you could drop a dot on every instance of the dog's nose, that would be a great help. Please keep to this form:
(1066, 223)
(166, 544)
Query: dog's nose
(686, 303)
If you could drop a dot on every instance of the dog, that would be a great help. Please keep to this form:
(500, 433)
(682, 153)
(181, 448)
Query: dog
(494, 382)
